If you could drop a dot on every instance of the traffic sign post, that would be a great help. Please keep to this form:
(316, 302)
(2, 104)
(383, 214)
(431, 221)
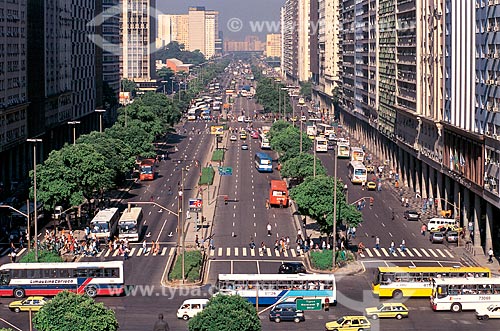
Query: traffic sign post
(308, 304)
(195, 204)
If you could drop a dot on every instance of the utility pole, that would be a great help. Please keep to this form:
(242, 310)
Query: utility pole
(334, 246)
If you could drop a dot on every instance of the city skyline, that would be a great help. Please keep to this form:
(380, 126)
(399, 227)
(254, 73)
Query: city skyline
(258, 17)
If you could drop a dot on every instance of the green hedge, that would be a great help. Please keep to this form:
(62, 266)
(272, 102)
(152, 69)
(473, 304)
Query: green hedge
(322, 260)
(192, 266)
(207, 176)
(218, 155)
(43, 256)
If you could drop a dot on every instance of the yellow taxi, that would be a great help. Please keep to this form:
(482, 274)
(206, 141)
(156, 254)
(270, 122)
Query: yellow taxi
(349, 323)
(243, 136)
(33, 303)
(387, 310)
(371, 186)
(370, 168)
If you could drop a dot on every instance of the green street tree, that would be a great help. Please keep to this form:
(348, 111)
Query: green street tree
(287, 142)
(6, 329)
(306, 90)
(314, 198)
(226, 313)
(128, 86)
(120, 157)
(69, 311)
(302, 166)
(72, 174)
(136, 137)
(165, 73)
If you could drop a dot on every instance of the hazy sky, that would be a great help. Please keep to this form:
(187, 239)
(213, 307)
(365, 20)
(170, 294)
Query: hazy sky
(237, 18)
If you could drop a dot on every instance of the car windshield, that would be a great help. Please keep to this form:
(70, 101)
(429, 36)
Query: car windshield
(340, 320)
(380, 307)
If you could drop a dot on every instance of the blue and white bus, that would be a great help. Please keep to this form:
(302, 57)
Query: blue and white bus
(275, 288)
(263, 162)
(48, 279)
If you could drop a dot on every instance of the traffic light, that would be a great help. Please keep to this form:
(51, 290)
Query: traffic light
(326, 305)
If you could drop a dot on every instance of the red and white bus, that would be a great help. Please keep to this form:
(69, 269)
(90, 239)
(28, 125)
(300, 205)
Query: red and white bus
(147, 169)
(48, 279)
(278, 194)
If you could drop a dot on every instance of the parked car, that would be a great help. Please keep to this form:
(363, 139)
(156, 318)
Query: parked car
(387, 310)
(436, 237)
(484, 313)
(292, 268)
(349, 323)
(452, 237)
(412, 215)
(33, 303)
(286, 312)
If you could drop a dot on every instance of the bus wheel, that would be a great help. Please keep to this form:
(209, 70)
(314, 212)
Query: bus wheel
(19, 293)
(397, 295)
(91, 291)
(456, 307)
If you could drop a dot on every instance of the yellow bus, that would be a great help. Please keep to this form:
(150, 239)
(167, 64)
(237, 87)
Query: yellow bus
(398, 282)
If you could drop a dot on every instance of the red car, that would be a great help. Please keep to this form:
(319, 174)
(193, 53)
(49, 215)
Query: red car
(255, 135)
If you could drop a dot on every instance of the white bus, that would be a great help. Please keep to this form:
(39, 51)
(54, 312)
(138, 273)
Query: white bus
(103, 225)
(343, 150)
(357, 172)
(325, 130)
(357, 154)
(311, 131)
(130, 224)
(457, 294)
(275, 288)
(48, 279)
(321, 145)
(264, 142)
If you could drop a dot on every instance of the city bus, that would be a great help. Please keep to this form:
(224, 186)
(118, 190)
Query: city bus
(278, 193)
(325, 130)
(264, 142)
(321, 145)
(276, 288)
(357, 154)
(147, 169)
(263, 162)
(311, 131)
(47, 279)
(457, 294)
(357, 172)
(130, 224)
(103, 225)
(343, 150)
(398, 282)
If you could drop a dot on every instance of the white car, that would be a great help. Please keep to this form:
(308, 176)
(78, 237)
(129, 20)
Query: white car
(233, 138)
(484, 313)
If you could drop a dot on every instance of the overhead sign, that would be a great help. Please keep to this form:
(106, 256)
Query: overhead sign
(216, 129)
(195, 203)
(308, 304)
(225, 171)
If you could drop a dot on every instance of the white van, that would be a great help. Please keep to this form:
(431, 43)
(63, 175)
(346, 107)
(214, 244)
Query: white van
(190, 308)
(435, 223)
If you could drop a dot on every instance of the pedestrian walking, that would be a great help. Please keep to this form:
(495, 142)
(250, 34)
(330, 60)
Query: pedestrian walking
(252, 243)
(160, 324)
(267, 204)
(212, 243)
(403, 246)
(391, 249)
(377, 242)
(490, 255)
(262, 248)
(269, 228)
(13, 256)
(407, 203)
(197, 241)
(126, 253)
(423, 229)
(363, 183)
(144, 246)
(353, 232)
(392, 216)
(402, 201)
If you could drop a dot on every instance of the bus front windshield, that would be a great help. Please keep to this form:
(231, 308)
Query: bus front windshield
(128, 227)
(147, 169)
(359, 172)
(100, 227)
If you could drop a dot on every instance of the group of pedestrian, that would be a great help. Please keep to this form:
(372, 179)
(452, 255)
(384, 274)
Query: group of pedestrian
(392, 247)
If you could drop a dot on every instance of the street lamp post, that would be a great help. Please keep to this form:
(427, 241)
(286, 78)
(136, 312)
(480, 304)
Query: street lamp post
(35, 141)
(314, 158)
(301, 135)
(74, 123)
(334, 246)
(100, 112)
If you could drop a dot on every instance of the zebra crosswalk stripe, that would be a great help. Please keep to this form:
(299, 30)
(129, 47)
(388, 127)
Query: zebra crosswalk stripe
(432, 252)
(212, 252)
(400, 252)
(277, 251)
(294, 253)
(440, 253)
(219, 251)
(115, 253)
(236, 251)
(268, 251)
(385, 252)
(377, 252)
(417, 252)
(252, 252)
(132, 251)
(368, 252)
(164, 251)
(21, 251)
(244, 251)
(409, 252)
(228, 251)
(448, 252)
(425, 253)
(285, 253)
(172, 251)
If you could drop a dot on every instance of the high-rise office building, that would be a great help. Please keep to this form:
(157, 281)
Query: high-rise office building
(13, 92)
(289, 40)
(138, 30)
(173, 28)
(273, 45)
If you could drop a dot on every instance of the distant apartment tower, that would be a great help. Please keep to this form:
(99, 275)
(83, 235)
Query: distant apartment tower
(173, 28)
(111, 48)
(13, 91)
(138, 29)
(273, 45)
(289, 40)
(203, 30)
